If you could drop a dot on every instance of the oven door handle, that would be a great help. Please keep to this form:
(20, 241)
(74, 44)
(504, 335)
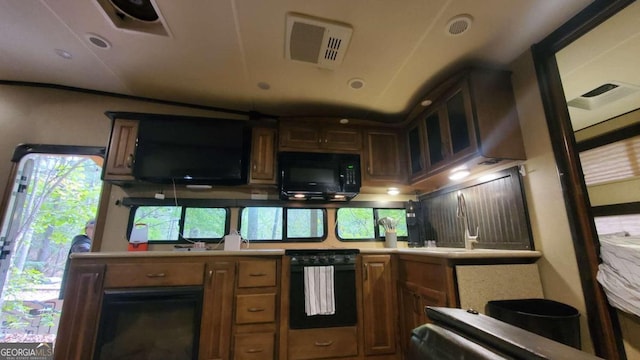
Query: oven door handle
(341, 267)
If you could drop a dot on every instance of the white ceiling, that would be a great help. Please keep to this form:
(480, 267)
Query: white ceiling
(217, 51)
(608, 54)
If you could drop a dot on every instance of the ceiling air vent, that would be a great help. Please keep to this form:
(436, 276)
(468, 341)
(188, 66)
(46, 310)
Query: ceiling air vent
(134, 15)
(316, 41)
(603, 95)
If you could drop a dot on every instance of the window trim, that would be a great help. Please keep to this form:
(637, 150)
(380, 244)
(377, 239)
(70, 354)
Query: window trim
(376, 232)
(285, 238)
(183, 210)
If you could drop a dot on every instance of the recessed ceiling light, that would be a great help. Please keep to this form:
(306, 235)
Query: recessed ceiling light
(459, 24)
(63, 54)
(426, 102)
(356, 83)
(344, 121)
(393, 191)
(98, 41)
(264, 86)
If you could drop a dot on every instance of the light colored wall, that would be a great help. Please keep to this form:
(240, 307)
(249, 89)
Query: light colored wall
(558, 265)
(60, 117)
(50, 116)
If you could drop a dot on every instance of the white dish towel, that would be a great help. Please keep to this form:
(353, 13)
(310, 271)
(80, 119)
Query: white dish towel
(319, 296)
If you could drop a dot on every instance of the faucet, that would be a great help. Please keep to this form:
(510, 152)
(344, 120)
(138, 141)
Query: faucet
(469, 240)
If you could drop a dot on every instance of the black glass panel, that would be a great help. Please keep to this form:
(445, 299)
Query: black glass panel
(434, 138)
(458, 123)
(415, 150)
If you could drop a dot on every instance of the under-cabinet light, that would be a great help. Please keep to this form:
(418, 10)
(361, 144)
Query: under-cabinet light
(458, 174)
(393, 191)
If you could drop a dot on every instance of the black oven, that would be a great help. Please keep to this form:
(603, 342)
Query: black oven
(150, 323)
(344, 270)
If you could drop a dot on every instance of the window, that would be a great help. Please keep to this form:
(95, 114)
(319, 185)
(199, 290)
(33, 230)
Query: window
(619, 160)
(618, 224)
(282, 224)
(361, 223)
(172, 224)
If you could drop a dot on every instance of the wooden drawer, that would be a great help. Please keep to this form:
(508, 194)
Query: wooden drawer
(255, 308)
(256, 273)
(254, 346)
(156, 274)
(323, 343)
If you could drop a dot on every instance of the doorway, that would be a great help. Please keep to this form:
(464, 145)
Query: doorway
(54, 192)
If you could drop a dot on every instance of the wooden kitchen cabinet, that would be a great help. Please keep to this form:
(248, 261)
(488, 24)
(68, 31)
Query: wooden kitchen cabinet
(153, 274)
(422, 281)
(473, 120)
(215, 326)
(263, 155)
(256, 309)
(121, 151)
(321, 134)
(80, 313)
(323, 343)
(383, 157)
(379, 310)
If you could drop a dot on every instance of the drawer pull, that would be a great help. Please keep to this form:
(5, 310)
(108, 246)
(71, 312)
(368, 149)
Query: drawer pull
(156, 275)
(255, 309)
(253, 351)
(257, 274)
(323, 344)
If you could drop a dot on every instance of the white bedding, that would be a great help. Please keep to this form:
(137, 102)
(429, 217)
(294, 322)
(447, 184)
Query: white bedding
(619, 272)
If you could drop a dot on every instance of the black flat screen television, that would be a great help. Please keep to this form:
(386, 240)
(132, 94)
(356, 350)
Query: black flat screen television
(186, 150)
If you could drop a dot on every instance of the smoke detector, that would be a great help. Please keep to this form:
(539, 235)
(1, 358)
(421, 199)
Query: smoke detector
(603, 95)
(316, 41)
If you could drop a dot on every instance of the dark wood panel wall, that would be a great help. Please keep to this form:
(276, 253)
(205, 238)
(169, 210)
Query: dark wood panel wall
(496, 207)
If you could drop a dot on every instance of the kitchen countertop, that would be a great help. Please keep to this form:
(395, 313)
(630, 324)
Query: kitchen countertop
(449, 253)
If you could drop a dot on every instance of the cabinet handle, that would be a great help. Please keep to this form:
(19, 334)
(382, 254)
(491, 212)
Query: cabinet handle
(255, 166)
(325, 140)
(366, 272)
(210, 277)
(253, 351)
(130, 160)
(258, 274)
(324, 344)
(255, 309)
(157, 275)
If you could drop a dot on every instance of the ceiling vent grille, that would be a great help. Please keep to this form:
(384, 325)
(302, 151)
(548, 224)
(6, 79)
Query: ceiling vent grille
(603, 95)
(134, 15)
(316, 41)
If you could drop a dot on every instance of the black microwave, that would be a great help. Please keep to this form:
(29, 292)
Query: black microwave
(320, 176)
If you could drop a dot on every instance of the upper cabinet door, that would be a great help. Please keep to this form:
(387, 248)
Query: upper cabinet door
(415, 143)
(299, 136)
(460, 124)
(121, 152)
(263, 150)
(319, 135)
(341, 138)
(383, 158)
(437, 138)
